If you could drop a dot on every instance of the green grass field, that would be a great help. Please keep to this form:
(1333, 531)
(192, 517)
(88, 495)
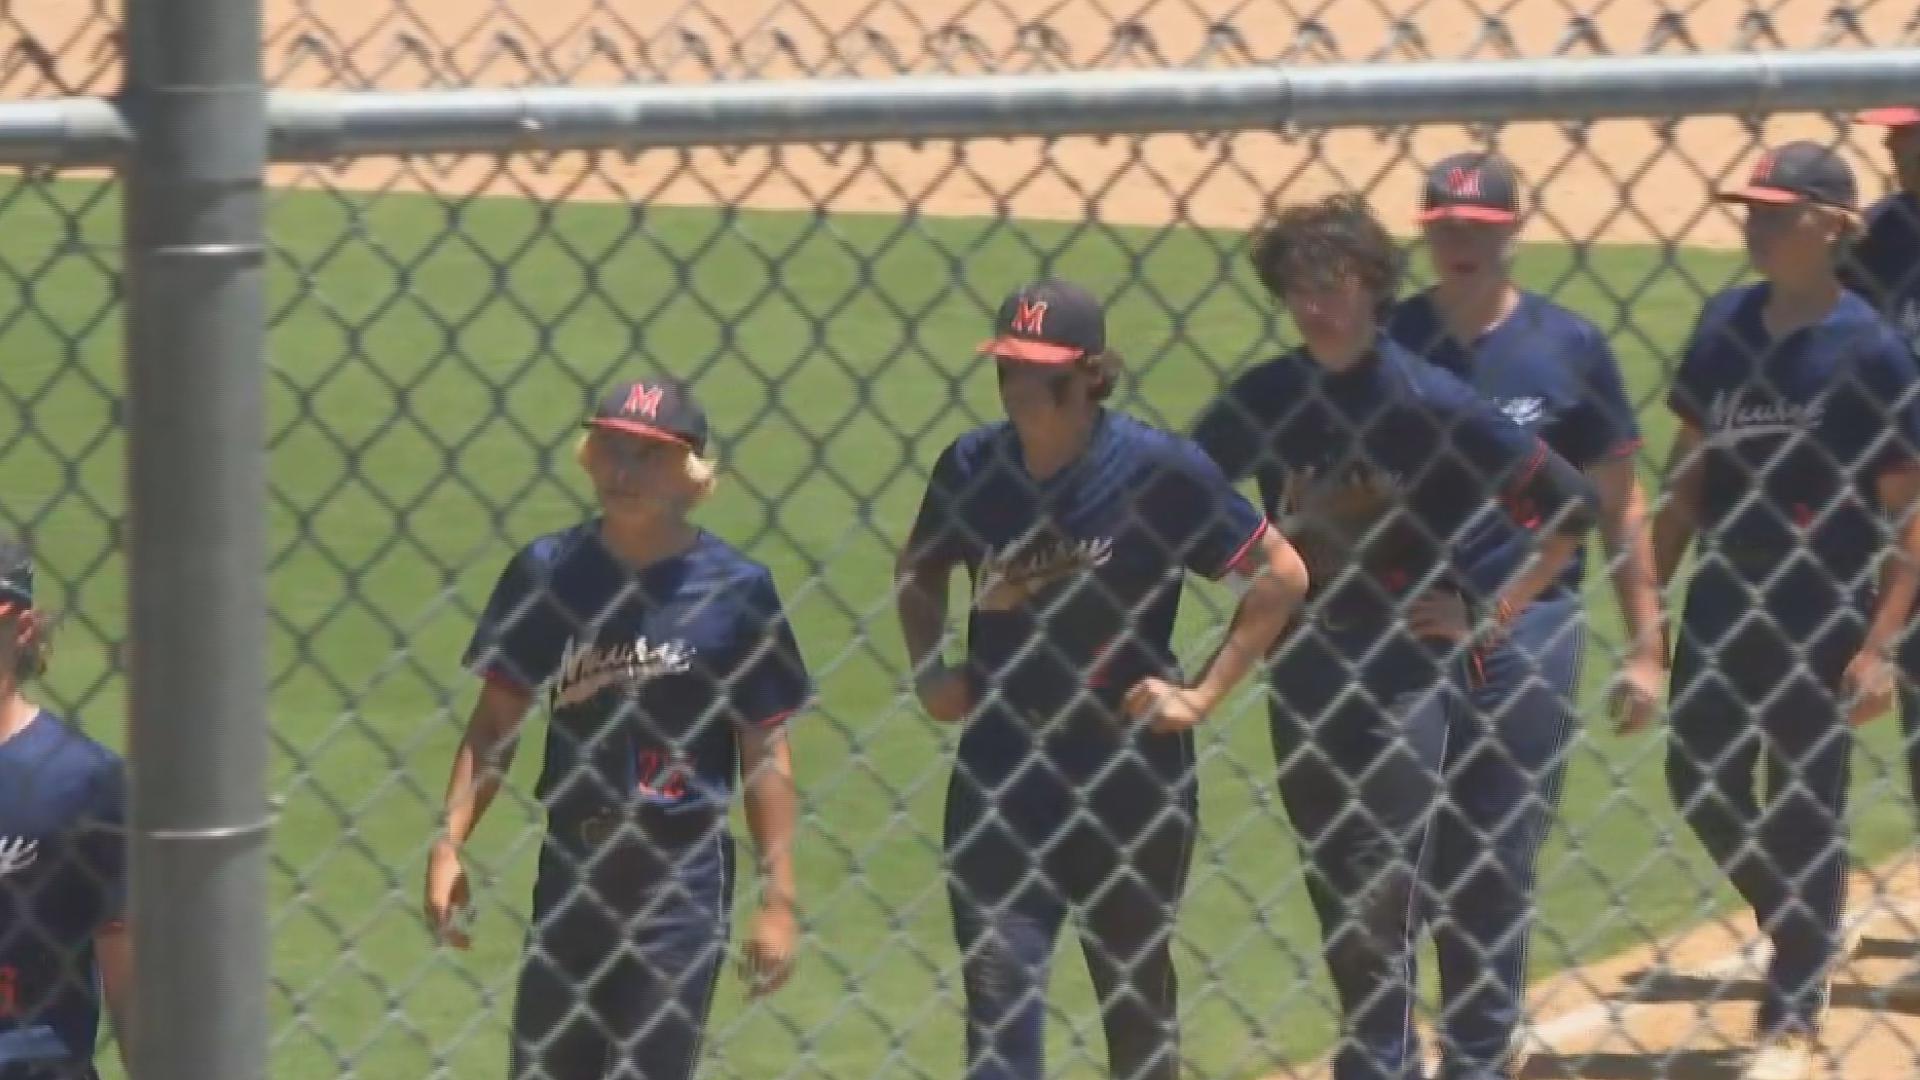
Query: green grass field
(428, 365)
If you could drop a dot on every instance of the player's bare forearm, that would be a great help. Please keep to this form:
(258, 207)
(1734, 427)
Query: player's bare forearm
(773, 811)
(1549, 559)
(1900, 570)
(113, 952)
(1626, 539)
(486, 753)
(922, 604)
(1277, 585)
(1678, 518)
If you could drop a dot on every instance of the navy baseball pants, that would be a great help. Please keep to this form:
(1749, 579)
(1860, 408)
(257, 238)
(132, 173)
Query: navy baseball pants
(630, 929)
(1506, 748)
(1027, 844)
(1360, 727)
(1750, 688)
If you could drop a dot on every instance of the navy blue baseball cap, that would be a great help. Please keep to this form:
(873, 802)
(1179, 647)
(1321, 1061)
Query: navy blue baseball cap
(1799, 172)
(1048, 322)
(16, 575)
(660, 409)
(1471, 187)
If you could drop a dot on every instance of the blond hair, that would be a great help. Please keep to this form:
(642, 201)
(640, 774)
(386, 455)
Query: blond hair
(702, 472)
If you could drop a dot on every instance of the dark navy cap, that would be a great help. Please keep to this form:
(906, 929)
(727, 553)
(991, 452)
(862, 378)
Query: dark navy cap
(1471, 187)
(1799, 172)
(16, 574)
(1049, 322)
(653, 409)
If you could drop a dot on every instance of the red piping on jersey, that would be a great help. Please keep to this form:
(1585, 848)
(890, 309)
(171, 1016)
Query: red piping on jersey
(1532, 467)
(1519, 508)
(1623, 448)
(1245, 549)
(499, 679)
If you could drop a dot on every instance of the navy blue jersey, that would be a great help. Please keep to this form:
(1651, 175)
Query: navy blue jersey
(1376, 473)
(1796, 430)
(62, 879)
(1553, 373)
(1077, 578)
(648, 674)
(1885, 264)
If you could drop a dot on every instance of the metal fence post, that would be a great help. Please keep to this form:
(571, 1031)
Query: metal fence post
(195, 279)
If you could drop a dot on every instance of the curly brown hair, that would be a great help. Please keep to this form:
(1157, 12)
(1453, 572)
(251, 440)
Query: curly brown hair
(1105, 367)
(30, 660)
(1321, 242)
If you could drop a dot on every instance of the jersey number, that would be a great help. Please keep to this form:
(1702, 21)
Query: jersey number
(661, 779)
(9, 992)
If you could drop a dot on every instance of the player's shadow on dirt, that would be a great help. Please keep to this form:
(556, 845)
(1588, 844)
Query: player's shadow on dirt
(1879, 948)
(1653, 1065)
(1663, 989)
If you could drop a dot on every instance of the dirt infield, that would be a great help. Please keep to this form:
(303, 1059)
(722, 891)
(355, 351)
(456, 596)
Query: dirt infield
(1682, 1008)
(1618, 181)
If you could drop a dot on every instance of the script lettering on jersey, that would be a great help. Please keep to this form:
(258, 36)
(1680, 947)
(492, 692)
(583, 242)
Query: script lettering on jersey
(587, 669)
(1012, 576)
(1734, 416)
(17, 853)
(1525, 411)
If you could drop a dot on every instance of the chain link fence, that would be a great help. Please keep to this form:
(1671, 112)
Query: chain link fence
(441, 324)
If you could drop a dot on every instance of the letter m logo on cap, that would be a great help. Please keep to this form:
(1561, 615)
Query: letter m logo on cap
(642, 401)
(1031, 317)
(1463, 183)
(1764, 168)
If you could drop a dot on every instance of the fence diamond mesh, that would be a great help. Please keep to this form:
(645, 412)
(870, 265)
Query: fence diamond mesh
(441, 326)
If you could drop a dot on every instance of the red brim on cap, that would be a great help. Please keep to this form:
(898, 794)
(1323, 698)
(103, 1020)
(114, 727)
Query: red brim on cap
(644, 431)
(1490, 215)
(1770, 196)
(1896, 116)
(1031, 352)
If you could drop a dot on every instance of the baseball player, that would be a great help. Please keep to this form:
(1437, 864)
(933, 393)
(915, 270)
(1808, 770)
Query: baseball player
(1797, 432)
(1554, 375)
(1074, 789)
(1378, 465)
(64, 943)
(1884, 267)
(1884, 264)
(668, 667)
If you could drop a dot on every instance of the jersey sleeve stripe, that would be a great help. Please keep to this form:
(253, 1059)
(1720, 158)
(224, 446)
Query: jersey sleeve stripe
(1234, 564)
(776, 719)
(496, 676)
(1623, 448)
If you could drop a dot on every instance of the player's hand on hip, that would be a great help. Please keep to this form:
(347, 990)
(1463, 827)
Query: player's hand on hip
(1439, 614)
(1634, 700)
(448, 896)
(1164, 707)
(766, 963)
(945, 693)
(1867, 687)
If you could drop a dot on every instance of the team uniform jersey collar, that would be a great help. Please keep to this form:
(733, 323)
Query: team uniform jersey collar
(1097, 441)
